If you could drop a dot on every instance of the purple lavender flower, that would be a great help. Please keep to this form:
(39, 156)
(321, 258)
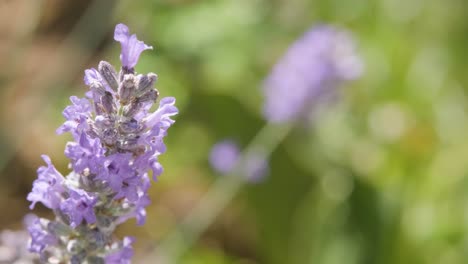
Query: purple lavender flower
(48, 187)
(116, 168)
(312, 68)
(142, 201)
(76, 115)
(131, 46)
(40, 237)
(124, 254)
(224, 156)
(87, 153)
(117, 141)
(78, 206)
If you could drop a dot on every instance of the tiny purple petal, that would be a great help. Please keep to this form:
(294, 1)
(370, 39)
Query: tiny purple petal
(166, 109)
(131, 46)
(47, 188)
(156, 167)
(116, 170)
(91, 75)
(76, 115)
(129, 189)
(79, 206)
(124, 254)
(40, 237)
(87, 153)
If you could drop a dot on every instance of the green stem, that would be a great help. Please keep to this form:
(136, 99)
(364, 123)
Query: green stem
(222, 191)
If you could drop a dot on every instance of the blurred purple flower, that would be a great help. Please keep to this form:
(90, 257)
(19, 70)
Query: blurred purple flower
(312, 68)
(224, 156)
(14, 247)
(131, 46)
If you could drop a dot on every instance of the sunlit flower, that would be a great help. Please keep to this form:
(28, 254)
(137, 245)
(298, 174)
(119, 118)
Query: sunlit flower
(131, 46)
(117, 141)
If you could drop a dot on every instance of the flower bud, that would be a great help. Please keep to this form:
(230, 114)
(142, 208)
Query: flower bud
(73, 246)
(145, 83)
(132, 109)
(109, 136)
(98, 88)
(107, 101)
(149, 96)
(129, 126)
(126, 88)
(102, 122)
(109, 74)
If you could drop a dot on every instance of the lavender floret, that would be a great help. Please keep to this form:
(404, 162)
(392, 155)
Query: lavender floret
(312, 68)
(78, 206)
(117, 141)
(124, 254)
(48, 187)
(131, 46)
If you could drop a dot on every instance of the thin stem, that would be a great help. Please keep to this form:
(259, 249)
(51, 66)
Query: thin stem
(222, 191)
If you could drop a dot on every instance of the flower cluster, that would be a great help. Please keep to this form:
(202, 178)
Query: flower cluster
(225, 158)
(117, 141)
(312, 68)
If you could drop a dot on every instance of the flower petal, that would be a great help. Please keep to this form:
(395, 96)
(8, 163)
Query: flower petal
(131, 46)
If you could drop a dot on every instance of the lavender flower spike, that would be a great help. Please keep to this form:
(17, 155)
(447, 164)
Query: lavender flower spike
(131, 46)
(117, 142)
(312, 69)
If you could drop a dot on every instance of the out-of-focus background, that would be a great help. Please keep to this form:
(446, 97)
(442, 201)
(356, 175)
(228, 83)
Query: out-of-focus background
(381, 176)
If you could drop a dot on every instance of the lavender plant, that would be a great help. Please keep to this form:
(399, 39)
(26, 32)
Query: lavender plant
(117, 141)
(311, 70)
